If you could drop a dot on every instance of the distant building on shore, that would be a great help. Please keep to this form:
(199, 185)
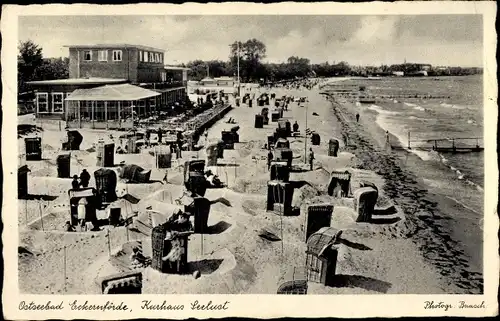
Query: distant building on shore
(93, 67)
(228, 85)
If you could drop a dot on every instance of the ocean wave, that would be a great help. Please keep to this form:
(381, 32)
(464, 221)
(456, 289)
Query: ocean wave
(415, 106)
(445, 105)
(460, 175)
(380, 110)
(423, 155)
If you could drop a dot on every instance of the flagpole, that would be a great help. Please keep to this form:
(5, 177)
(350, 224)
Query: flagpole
(305, 140)
(238, 44)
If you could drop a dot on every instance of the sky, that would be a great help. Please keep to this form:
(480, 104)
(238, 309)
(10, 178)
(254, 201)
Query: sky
(452, 40)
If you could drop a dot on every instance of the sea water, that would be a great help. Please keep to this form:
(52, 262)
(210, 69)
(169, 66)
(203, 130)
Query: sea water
(457, 179)
(459, 115)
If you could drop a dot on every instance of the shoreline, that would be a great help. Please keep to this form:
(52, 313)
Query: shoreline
(434, 236)
(399, 142)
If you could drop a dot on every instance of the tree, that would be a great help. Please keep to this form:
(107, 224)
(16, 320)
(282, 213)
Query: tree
(215, 68)
(29, 59)
(32, 66)
(53, 68)
(298, 67)
(251, 54)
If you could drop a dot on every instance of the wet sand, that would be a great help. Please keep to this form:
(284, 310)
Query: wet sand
(442, 229)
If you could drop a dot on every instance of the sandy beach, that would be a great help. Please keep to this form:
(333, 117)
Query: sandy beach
(412, 254)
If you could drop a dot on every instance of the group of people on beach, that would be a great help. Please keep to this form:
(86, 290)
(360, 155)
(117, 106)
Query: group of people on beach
(82, 181)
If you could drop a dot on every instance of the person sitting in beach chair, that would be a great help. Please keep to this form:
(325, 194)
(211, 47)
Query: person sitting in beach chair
(138, 259)
(68, 227)
(174, 256)
(82, 213)
(213, 179)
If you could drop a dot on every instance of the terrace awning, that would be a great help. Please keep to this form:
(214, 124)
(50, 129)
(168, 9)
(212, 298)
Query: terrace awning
(121, 92)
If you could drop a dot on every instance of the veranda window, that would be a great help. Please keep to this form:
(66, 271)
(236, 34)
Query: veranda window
(141, 107)
(57, 102)
(99, 111)
(112, 110)
(42, 104)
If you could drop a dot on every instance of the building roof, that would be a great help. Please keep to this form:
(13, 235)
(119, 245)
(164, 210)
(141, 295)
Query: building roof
(119, 92)
(319, 241)
(78, 81)
(113, 45)
(176, 68)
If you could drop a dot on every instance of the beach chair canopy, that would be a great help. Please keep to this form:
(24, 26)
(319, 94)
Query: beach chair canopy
(294, 281)
(321, 240)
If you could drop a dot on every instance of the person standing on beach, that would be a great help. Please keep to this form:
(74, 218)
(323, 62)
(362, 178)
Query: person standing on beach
(74, 183)
(84, 178)
(180, 138)
(269, 159)
(345, 138)
(311, 158)
(160, 136)
(387, 138)
(357, 117)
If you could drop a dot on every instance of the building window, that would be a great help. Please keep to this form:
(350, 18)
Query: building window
(87, 55)
(117, 55)
(151, 57)
(57, 102)
(161, 57)
(42, 103)
(99, 111)
(102, 55)
(141, 107)
(157, 57)
(163, 76)
(141, 58)
(146, 56)
(112, 110)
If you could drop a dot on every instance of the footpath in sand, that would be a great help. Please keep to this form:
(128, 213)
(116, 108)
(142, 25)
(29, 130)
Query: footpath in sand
(232, 258)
